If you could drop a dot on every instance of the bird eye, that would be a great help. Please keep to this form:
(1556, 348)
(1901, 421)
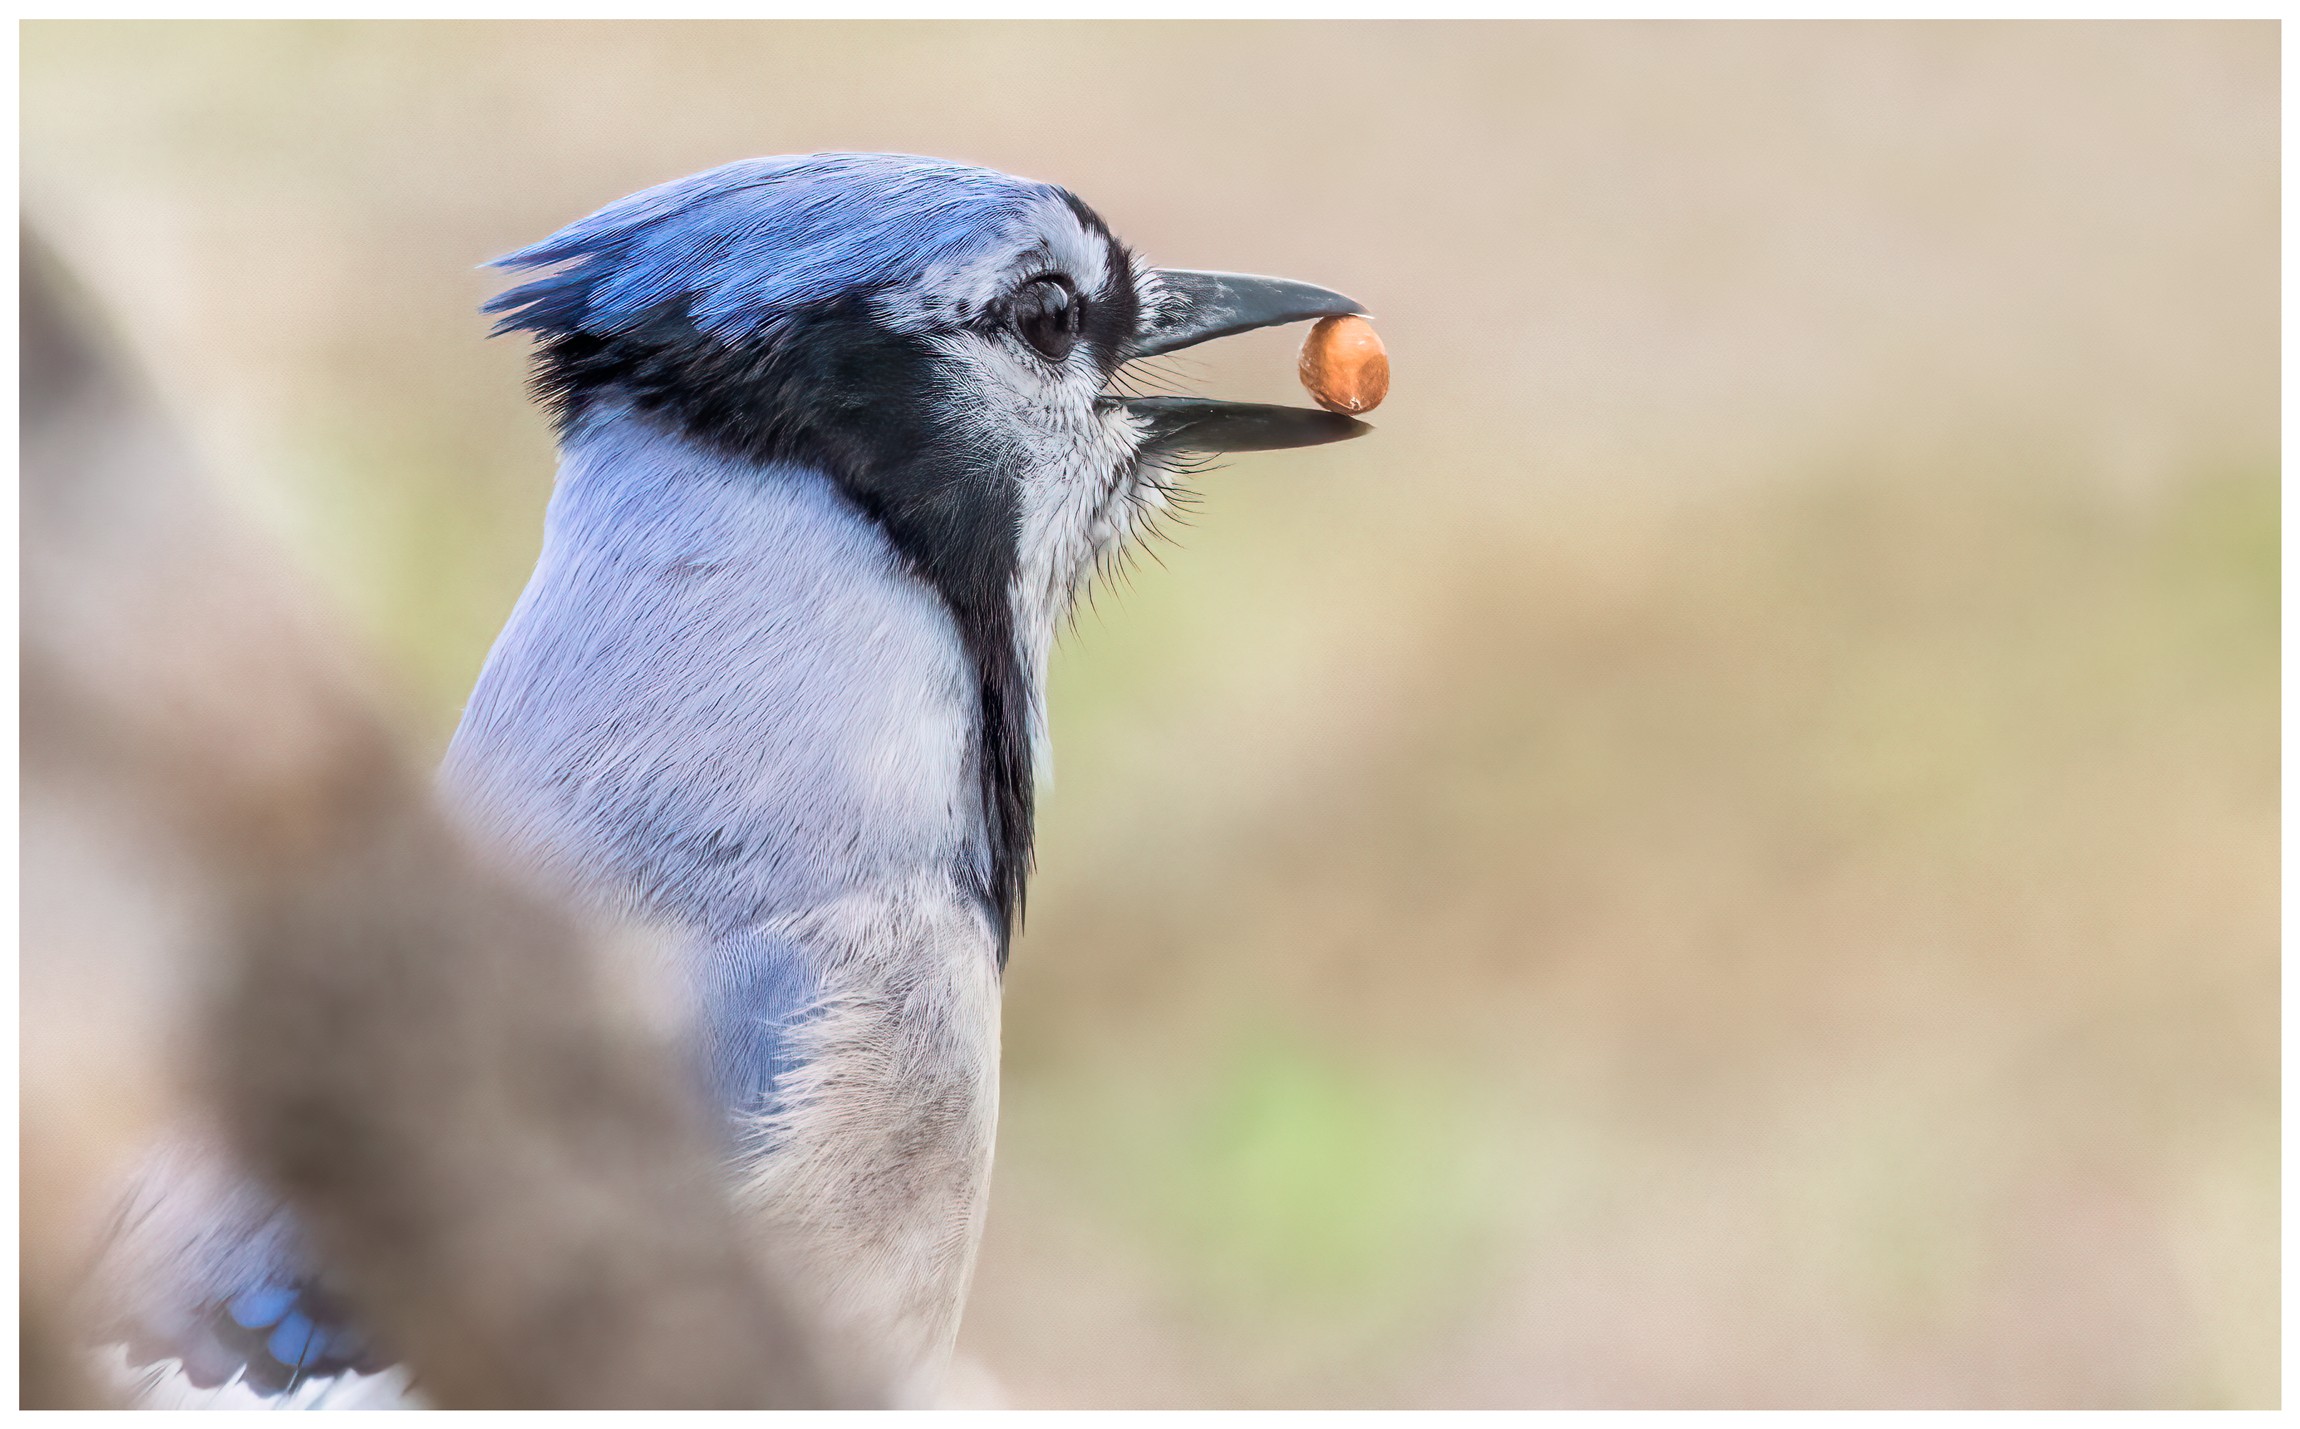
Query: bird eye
(1046, 313)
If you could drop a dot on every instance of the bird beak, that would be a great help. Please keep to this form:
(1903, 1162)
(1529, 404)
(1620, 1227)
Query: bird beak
(1198, 307)
(1191, 308)
(1203, 424)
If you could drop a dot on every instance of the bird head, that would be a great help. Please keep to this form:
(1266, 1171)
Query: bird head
(939, 339)
(941, 342)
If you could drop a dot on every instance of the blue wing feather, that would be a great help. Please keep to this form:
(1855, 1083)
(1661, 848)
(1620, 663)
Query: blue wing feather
(206, 1269)
(758, 991)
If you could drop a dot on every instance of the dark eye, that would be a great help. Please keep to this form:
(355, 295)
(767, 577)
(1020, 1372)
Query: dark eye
(1046, 313)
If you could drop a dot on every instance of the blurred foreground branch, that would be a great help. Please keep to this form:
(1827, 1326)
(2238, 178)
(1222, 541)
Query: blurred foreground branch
(506, 1170)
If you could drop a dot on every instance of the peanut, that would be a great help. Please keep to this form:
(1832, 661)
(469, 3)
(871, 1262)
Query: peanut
(1344, 366)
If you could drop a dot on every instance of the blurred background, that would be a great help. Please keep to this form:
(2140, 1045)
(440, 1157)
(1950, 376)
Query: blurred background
(1726, 856)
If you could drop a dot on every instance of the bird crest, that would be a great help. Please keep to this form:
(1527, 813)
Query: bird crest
(749, 245)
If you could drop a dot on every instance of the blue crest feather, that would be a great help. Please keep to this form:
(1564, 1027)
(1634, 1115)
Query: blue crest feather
(752, 242)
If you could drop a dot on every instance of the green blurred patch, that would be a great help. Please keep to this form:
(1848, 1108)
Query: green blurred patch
(1342, 1194)
(426, 559)
(2221, 561)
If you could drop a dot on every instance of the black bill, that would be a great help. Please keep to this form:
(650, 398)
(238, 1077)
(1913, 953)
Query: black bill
(1202, 424)
(1197, 307)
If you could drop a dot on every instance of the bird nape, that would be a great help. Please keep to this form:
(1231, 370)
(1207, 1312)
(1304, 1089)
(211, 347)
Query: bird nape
(842, 437)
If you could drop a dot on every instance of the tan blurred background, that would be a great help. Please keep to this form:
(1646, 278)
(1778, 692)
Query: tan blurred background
(1727, 855)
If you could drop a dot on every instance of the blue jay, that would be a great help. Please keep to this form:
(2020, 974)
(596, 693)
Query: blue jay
(839, 446)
